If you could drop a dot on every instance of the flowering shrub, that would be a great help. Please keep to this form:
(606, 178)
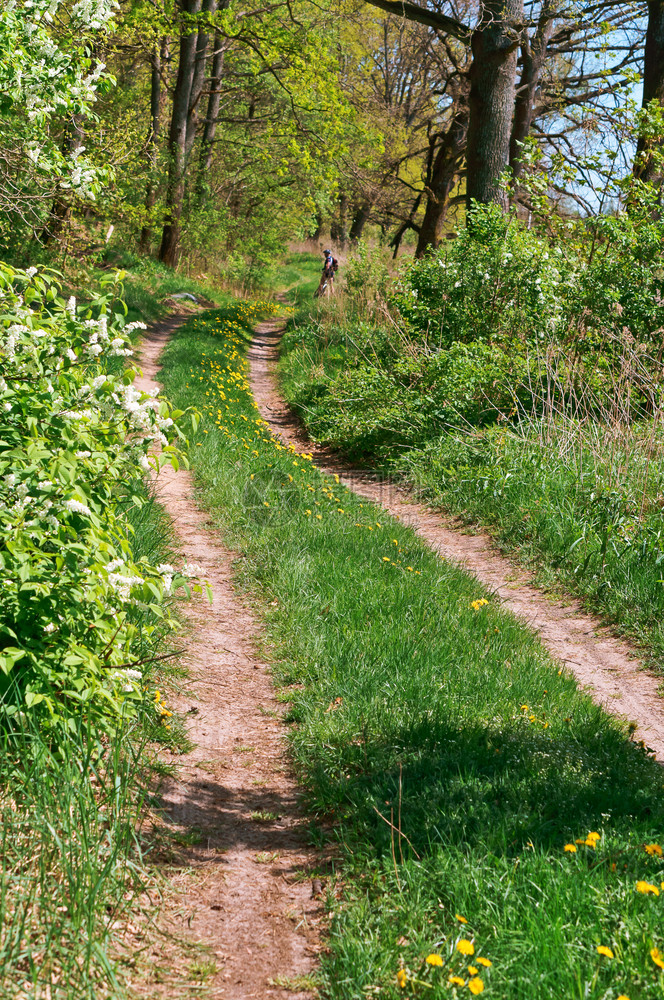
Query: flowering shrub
(494, 279)
(74, 437)
(48, 74)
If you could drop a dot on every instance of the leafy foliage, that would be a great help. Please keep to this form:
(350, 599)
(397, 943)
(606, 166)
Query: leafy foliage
(78, 610)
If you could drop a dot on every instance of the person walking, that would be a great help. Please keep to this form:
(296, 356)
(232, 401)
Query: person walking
(330, 268)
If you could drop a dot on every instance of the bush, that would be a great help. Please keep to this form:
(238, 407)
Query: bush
(495, 280)
(75, 605)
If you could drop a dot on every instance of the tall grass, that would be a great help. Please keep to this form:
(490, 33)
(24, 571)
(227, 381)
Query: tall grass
(447, 758)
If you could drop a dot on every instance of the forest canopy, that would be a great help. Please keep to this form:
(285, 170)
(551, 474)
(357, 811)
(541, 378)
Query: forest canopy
(212, 133)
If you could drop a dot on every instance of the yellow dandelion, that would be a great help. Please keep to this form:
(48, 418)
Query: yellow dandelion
(319, 517)
(462, 920)
(657, 957)
(654, 850)
(486, 962)
(622, 997)
(465, 947)
(476, 985)
(570, 848)
(456, 981)
(594, 836)
(646, 887)
(472, 970)
(603, 950)
(434, 959)
(386, 559)
(402, 978)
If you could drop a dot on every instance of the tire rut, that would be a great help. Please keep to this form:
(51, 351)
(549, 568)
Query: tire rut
(607, 667)
(247, 901)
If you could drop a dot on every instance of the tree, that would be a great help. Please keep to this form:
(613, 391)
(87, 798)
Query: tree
(494, 43)
(646, 166)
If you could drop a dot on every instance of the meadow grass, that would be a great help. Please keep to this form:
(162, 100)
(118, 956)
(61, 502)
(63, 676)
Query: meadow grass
(416, 701)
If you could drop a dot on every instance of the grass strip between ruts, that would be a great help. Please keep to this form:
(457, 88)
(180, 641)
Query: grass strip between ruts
(522, 807)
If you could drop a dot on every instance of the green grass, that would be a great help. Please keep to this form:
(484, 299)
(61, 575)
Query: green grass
(445, 716)
(298, 276)
(579, 503)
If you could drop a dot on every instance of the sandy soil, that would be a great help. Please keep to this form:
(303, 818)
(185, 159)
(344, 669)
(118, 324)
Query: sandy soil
(245, 900)
(607, 667)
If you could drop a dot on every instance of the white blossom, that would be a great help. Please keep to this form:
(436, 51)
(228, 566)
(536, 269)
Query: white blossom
(76, 507)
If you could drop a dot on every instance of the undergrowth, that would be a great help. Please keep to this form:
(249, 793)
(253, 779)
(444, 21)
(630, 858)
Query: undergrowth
(494, 829)
(555, 444)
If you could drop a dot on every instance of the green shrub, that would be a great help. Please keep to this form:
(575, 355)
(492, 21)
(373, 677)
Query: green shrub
(75, 604)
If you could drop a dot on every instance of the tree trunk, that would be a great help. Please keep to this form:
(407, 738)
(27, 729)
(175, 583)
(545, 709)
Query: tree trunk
(361, 216)
(177, 138)
(533, 57)
(159, 59)
(491, 102)
(61, 208)
(407, 224)
(339, 228)
(441, 181)
(646, 167)
(208, 7)
(214, 101)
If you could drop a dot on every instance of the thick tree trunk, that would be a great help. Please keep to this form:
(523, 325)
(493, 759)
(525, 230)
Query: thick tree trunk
(159, 59)
(177, 138)
(533, 57)
(212, 115)
(646, 167)
(440, 183)
(491, 102)
(361, 216)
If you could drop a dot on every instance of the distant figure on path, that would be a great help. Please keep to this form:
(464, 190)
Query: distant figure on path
(330, 267)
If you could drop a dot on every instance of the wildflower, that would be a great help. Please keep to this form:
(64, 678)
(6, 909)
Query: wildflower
(476, 985)
(622, 997)
(472, 970)
(434, 960)
(386, 558)
(462, 920)
(603, 950)
(479, 603)
(456, 980)
(594, 837)
(465, 947)
(486, 962)
(646, 887)
(657, 957)
(571, 848)
(653, 849)
(402, 978)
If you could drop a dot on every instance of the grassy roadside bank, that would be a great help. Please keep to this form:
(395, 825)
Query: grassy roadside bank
(527, 824)
(579, 503)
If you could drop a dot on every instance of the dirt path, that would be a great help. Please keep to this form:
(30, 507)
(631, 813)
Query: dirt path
(247, 902)
(606, 666)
